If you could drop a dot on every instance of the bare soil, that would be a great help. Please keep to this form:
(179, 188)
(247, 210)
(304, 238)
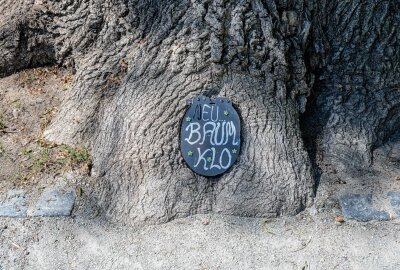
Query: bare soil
(28, 101)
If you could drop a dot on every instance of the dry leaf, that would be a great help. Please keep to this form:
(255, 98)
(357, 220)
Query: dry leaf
(79, 191)
(339, 219)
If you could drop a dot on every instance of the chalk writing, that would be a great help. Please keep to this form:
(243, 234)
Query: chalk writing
(210, 135)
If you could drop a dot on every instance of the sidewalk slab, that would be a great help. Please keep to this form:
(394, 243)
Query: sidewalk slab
(14, 205)
(53, 203)
(359, 207)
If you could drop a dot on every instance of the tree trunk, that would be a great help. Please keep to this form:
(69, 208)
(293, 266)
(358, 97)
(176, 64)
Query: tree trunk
(331, 64)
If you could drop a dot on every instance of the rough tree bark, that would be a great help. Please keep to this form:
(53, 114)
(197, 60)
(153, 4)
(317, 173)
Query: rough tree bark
(334, 65)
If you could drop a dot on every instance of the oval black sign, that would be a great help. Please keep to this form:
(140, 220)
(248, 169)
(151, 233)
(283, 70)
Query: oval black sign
(210, 135)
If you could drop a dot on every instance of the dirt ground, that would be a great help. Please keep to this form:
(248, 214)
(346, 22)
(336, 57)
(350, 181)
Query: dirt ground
(28, 101)
(310, 240)
(200, 242)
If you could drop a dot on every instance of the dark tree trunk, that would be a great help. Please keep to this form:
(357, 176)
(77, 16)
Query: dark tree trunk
(137, 62)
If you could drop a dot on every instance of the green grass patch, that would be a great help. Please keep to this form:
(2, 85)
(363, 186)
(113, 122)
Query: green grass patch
(19, 177)
(52, 158)
(42, 160)
(75, 156)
